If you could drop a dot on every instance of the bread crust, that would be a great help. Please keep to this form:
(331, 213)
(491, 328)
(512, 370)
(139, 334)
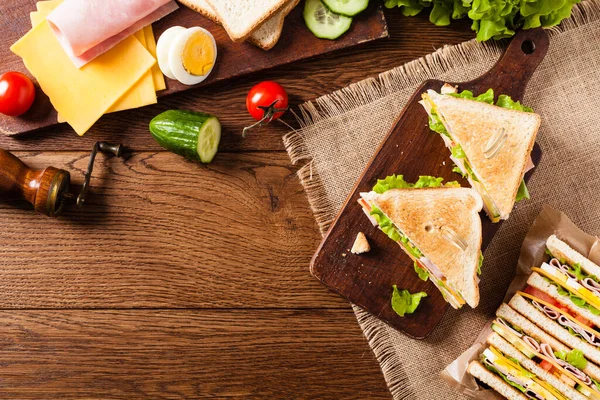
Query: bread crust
(562, 250)
(242, 37)
(284, 11)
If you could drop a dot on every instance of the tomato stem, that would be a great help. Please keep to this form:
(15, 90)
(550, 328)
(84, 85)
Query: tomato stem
(269, 112)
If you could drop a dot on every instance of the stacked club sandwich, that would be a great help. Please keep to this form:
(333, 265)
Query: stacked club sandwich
(437, 224)
(545, 342)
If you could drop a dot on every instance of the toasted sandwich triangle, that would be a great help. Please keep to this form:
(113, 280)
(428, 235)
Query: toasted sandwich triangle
(497, 143)
(435, 219)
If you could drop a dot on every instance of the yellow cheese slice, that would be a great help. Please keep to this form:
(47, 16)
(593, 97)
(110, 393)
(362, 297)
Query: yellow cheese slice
(83, 95)
(157, 75)
(568, 283)
(141, 94)
(48, 6)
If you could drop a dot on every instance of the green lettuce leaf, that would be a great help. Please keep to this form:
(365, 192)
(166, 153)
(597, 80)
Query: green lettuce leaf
(459, 171)
(574, 357)
(470, 171)
(522, 193)
(511, 383)
(487, 97)
(495, 19)
(409, 8)
(505, 101)
(422, 272)
(480, 263)
(386, 225)
(436, 124)
(411, 248)
(578, 301)
(403, 302)
(575, 269)
(398, 182)
(458, 152)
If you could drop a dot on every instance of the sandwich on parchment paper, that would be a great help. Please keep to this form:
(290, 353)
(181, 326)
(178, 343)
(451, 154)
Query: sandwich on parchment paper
(545, 342)
(240, 22)
(438, 226)
(490, 143)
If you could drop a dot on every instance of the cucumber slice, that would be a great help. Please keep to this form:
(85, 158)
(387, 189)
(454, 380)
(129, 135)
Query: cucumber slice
(208, 139)
(324, 23)
(349, 8)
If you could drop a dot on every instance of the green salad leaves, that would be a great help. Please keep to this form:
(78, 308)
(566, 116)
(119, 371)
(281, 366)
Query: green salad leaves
(578, 301)
(422, 272)
(574, 357)
(495, 19)
(403, 302)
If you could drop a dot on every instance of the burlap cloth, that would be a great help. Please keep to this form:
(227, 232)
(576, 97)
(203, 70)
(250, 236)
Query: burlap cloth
(340, 132)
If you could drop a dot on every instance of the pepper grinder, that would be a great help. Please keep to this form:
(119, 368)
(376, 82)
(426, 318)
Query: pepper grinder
(48, 190)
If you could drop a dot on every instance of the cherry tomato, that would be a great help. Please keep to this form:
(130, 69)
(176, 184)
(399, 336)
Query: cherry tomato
(264, 94)
(16, 93)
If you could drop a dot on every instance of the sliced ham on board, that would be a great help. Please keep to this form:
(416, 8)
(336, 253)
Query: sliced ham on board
(89, 28)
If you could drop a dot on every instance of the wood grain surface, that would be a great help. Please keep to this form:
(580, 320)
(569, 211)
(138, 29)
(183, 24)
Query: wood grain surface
(223, 306)
(185, 354)
(367, 280)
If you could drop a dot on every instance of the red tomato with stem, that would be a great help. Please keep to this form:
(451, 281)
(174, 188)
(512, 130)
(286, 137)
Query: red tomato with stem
(16, 93)
(266, 94)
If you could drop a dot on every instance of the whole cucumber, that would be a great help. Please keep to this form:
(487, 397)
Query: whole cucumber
(191, 134)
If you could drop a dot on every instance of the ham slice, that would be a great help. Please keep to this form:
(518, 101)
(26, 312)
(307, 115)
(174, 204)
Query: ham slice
(89, 28)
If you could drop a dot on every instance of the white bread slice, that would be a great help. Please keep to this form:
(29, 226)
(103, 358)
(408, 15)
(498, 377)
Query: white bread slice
(265, 36)
(509, 350)
(494, 381)
(427, 217)
(553, 328)
(563, 251)
(538, 282)
(241, 17)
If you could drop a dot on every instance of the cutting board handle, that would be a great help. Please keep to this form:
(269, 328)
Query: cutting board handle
(516, 66)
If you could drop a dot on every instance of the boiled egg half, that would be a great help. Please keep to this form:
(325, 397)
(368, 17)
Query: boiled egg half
(186, 54)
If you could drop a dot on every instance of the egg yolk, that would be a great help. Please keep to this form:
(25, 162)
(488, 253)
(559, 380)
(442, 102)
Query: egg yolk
(198, 54)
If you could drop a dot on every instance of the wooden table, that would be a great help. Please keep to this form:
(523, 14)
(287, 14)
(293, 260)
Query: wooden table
(186, 281)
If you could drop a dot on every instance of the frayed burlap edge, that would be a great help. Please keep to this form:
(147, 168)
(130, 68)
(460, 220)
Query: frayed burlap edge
(376, 89)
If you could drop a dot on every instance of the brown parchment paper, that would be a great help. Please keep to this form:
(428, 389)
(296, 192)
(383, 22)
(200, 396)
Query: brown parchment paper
(549, 222)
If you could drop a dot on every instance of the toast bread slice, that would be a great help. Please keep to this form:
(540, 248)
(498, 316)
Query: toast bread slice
(433, 219)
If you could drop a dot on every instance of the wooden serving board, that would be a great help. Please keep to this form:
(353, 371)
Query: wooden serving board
(234, 59)
(366, 280)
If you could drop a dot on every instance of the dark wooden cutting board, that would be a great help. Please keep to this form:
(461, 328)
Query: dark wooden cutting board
(366, 280)
(234, 59)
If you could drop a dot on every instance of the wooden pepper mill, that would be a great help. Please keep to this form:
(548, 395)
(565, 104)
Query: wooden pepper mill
(46, 189)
